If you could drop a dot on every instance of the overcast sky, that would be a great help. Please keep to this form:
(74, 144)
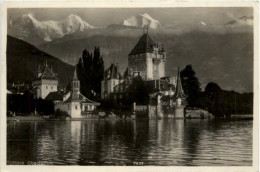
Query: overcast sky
(101, 17)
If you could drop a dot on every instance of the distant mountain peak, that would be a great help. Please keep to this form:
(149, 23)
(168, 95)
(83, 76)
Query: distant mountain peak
(28, 27)
(241, 21)
(142, 20)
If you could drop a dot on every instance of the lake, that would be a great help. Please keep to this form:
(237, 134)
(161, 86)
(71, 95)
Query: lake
(118, 142)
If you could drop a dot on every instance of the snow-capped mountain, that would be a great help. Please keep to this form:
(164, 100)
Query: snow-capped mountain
(27, 27)
(142, 20)
(242, 21)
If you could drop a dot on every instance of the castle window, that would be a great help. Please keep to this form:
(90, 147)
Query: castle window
(76, 107)
(46, 87)
(51, 87)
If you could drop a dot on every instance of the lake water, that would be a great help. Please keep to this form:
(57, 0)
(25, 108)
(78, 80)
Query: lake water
(163, 142)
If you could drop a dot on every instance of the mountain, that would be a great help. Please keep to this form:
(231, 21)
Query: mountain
(32, 30)
(225, 58)
(137, 21)
(23, 60)
(242, 21)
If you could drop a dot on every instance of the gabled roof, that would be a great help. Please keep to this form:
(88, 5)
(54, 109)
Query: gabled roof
(144, 45)
(47, 72)
(179, 91)
(55, 96)
(112, 72)
(81, 99)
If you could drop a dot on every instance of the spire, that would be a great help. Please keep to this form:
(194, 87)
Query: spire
(75, 77)
(179, 91)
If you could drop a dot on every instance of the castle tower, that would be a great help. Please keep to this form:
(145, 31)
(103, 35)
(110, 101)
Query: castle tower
(179, 94)
(147, 59)
(179, 97)
(111, 79)
(75, 85)
(46, 81)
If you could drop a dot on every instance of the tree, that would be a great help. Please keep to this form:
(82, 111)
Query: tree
(138, 92)
(90, 71)
(190, 85)
(97, 70)
(213, 92)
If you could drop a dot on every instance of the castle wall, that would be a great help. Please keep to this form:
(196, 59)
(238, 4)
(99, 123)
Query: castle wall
(137, 63)
(44, 87)
(149, 64)
(108, 86)
(144, 64)
(161, 69)
(75, 110)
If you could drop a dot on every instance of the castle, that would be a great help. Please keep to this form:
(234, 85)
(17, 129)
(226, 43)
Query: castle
(147, 60)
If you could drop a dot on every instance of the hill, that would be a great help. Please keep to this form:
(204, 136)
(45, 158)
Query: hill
(23, 59)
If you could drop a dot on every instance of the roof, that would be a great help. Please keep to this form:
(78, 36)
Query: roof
(112, 72)
(57, 95)
(179, 91)
(144, 45)
(47, 72)
(82, 99)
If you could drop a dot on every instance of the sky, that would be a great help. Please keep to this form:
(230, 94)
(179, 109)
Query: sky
(102, 17)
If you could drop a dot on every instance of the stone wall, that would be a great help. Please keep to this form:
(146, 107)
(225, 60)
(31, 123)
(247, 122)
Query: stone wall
(141, 111)
(137, 63)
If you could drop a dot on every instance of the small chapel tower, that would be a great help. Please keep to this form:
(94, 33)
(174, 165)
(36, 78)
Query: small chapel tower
(75, 85)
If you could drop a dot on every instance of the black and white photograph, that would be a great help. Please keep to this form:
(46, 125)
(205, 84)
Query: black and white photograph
(130, 86)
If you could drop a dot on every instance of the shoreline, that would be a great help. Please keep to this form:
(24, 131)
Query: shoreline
(47, 119)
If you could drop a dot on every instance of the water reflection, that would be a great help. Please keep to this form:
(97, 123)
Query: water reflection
(163, 142)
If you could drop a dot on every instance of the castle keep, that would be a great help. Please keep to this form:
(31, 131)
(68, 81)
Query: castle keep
(147, 59)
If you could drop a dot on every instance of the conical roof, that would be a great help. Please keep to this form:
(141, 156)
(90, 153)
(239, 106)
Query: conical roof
(179, 91)
(144, 45)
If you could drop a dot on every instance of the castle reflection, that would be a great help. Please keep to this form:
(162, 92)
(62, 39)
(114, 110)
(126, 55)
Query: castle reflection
(119, 142)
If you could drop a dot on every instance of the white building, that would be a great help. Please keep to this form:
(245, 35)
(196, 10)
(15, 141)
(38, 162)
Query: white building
(46, 81)
(73, 102)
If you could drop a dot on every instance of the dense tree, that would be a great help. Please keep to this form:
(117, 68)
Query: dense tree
(214, 94)
(138, 92)
(190, 84)
(224, 103)
(90, 71)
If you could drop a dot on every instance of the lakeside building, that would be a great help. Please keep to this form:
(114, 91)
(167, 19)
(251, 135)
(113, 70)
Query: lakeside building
(147, 60)
(73, 102)
(46, 81)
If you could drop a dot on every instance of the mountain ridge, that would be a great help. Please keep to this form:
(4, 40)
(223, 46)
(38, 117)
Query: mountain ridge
(27, 26)
(22, 63)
